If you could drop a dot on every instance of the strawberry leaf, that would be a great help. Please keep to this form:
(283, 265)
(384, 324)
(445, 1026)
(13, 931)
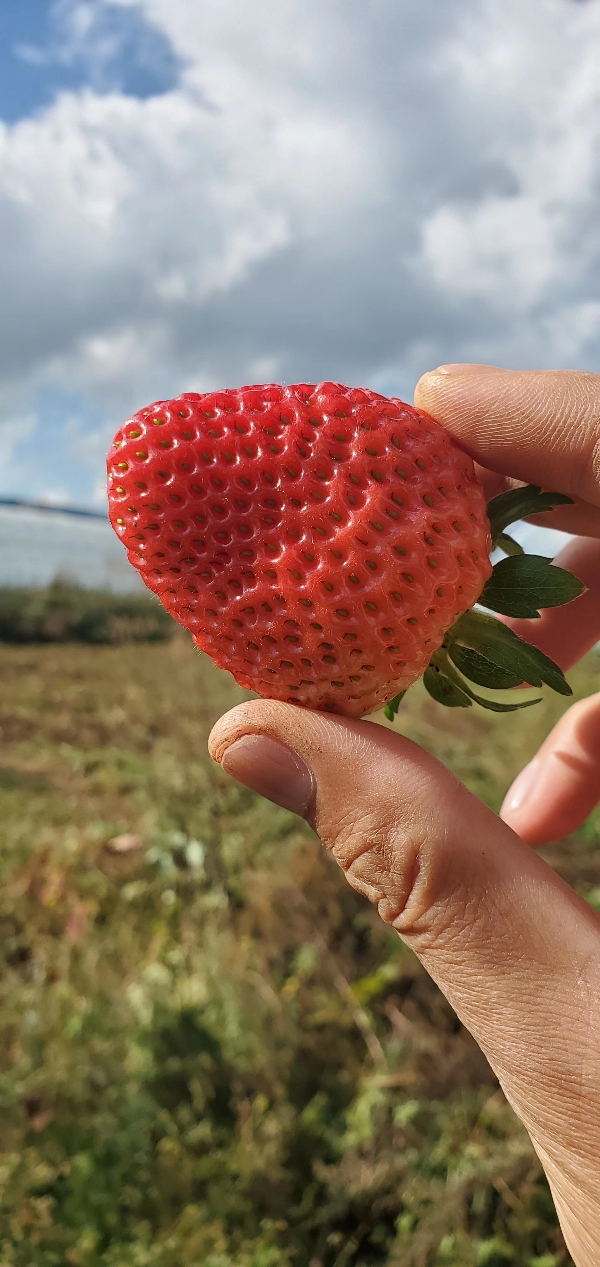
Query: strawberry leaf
(391, 709)
(519, 503)
(520, 585)
(500, 645)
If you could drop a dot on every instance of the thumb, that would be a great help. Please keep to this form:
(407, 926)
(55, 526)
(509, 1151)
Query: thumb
(515, 951)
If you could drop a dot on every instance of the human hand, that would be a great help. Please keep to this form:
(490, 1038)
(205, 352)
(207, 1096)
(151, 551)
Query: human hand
(514, 949)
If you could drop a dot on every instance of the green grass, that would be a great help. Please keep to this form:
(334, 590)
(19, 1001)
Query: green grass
(211, 1050)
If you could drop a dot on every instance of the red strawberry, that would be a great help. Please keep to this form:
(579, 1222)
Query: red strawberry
(318, 542)
(324, 544)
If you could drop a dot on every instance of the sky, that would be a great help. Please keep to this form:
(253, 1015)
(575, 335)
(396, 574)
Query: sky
(204, 193)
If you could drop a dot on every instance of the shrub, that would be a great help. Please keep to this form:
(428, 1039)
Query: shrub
(63, 612)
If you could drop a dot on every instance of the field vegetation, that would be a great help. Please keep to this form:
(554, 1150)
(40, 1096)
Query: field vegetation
(211, 1050)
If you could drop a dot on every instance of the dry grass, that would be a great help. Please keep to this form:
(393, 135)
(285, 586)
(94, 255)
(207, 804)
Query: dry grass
(211, 1051)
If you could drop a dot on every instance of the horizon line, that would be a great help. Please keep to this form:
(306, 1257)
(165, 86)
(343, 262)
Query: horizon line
(23, 503)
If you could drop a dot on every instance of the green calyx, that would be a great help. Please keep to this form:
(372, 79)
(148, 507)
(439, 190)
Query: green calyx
(481, 651)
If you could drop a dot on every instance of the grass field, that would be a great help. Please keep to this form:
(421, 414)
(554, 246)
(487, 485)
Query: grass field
(211, 1050)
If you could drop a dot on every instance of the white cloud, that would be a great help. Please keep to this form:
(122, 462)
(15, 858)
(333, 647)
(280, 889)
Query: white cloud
(533, 75)
(330, 190)
(501, 250)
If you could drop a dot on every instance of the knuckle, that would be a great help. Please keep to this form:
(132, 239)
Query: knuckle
(402, 862)
(375, 855)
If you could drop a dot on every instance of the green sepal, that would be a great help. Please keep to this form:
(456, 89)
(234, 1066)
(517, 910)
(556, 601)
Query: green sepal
(500, 645)
(504, 648)
(456, 679)
(508, 544)
(391, 709)
(477, 668)
(522, 584)
(519, 503)
(443, 690)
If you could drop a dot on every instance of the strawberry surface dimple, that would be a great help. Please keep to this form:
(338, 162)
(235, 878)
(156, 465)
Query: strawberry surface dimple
(317, 541)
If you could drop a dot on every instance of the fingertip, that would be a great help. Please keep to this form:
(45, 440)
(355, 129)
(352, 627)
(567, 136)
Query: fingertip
(521, 788)
(557, 791)
(223, 732)
(429, 386)
(436, 382)
(253, 717)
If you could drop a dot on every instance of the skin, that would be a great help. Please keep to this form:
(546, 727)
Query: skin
(513, 948)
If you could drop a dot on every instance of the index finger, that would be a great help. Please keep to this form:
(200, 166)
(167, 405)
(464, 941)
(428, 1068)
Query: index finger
(541, 426)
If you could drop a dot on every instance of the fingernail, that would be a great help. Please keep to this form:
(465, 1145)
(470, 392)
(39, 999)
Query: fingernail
(522, 787)
(270, 768)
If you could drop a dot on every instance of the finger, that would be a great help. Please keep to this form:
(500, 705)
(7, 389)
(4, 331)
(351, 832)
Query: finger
(516, 952)
(558, 790)
(568, 633)
(542, 427)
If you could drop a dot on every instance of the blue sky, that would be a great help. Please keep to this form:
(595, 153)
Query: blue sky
(196, 193)
(121, 52)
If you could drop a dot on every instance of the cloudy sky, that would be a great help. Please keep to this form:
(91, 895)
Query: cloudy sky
(201, 193)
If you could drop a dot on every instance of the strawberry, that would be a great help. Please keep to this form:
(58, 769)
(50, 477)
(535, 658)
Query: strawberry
(320, 542)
